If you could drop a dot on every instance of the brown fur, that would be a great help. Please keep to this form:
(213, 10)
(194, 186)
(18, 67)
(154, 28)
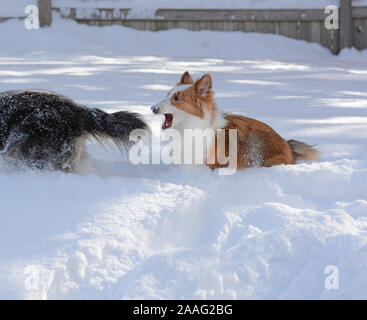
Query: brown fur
(303, 151)
(257, 144)
(194, 99)
(186, 79)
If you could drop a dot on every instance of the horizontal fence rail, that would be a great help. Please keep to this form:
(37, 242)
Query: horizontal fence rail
(307, 24)
(303, 24)
(240, 15)
(359, 27)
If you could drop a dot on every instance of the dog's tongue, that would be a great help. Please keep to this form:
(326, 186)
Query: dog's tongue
(168, 121)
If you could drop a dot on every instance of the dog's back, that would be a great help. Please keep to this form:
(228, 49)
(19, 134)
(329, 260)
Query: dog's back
(45, 129)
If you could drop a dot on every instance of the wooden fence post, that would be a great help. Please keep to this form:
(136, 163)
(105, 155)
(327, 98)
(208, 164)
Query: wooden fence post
(335, 41)
(45, 12)
(346, 24)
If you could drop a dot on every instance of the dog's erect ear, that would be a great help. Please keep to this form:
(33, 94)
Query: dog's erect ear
(186, 79)
(204, 85)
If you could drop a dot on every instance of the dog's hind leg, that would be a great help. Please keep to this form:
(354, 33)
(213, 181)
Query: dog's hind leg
(80, 162)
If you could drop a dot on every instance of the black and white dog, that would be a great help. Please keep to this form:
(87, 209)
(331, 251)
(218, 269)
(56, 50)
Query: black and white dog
(44, 129)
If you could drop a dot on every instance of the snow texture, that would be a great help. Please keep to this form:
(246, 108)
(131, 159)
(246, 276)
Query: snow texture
(159, 232)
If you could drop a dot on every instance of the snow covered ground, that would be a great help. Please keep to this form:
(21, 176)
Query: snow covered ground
(161, 232)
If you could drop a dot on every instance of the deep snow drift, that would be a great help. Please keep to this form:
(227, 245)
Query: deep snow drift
(159, 231)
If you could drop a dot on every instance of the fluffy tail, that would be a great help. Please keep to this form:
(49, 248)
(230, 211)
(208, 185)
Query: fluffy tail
(115, 127)
(303, 151)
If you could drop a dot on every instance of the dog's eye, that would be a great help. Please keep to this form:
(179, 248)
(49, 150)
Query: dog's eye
(176, 98)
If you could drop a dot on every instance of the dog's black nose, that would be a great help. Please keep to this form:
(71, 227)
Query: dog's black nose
(155, 109)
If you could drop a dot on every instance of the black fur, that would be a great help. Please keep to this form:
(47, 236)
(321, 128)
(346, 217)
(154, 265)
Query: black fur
(42, 128)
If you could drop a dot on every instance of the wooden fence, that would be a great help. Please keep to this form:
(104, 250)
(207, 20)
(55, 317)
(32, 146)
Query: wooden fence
(307, 24)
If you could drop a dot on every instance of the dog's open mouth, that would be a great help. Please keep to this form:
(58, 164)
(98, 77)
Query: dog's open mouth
(167, 121)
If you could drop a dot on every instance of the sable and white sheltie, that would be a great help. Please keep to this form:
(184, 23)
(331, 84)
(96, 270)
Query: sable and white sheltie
(44, 129)
(190, 105)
